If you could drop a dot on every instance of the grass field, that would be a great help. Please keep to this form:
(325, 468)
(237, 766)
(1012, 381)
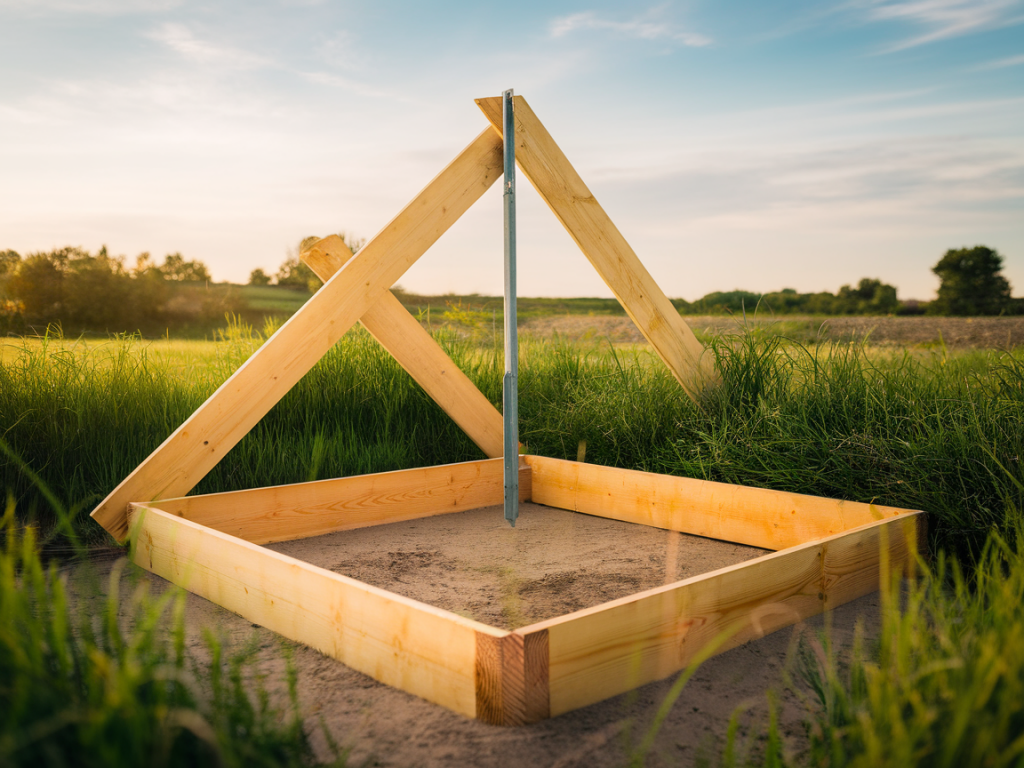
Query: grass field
(935, 428)
(273, 299)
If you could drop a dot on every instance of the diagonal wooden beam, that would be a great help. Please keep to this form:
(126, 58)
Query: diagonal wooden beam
(193, 449)
(417, 352)
(574, 205)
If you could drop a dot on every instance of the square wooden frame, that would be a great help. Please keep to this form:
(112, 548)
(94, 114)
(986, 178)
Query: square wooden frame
(828, 552)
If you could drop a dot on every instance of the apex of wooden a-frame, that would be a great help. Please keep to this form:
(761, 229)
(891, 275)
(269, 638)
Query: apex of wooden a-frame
(361, 292)
(574, 205)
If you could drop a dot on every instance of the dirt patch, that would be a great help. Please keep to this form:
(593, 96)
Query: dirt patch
(552, 563)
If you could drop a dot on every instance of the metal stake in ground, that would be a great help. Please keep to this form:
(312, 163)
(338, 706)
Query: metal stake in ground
(510, 383)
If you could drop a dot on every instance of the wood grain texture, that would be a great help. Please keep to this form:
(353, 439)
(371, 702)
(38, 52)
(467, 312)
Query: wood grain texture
(512, 678)
(488, 668)
(288, 512)
(604, 651)
(536, 654)
(852, 564)
(756, 517)
(401, 642)
(554, 177)
(207, 435)
(416, 351)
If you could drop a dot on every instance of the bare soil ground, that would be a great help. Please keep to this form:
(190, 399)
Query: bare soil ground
(958, 332)
(553, 562)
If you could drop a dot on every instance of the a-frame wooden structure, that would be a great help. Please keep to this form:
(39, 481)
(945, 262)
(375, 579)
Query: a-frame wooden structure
(828, 551)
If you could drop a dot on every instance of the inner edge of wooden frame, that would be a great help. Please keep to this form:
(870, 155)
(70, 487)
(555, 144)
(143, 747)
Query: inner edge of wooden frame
(546, 623)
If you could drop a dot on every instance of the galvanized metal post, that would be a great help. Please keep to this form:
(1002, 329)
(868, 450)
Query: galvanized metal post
(510, 383)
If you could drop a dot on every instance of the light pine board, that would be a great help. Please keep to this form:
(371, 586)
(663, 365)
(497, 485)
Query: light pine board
(289, 512)
(756, 517)
(553, 176)
(401, 642)
(613, 648)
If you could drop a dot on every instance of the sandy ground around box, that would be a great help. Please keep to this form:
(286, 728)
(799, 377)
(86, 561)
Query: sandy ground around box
(551, 563)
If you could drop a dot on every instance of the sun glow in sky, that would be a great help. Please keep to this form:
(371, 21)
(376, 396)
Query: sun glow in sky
(755, 145)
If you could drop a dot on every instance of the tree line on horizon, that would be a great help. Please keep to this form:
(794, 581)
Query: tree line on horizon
(99, 293)
(971, 284)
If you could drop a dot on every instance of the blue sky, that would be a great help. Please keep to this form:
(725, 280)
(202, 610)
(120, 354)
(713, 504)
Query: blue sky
(755, 145)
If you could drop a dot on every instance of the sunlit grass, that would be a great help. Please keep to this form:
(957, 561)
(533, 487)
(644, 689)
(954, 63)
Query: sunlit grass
(922, 430)
(91, 676)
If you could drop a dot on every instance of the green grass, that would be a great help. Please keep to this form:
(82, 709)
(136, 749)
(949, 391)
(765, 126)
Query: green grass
(84, 415)
(945, 684)
(942, 686)
(89, 677)
(484, 309)
(931, 431)
(272, 298)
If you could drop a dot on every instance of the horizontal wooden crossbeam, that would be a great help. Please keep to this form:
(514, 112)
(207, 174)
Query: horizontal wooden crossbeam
(756, 517)
(288, 512)
(424, 650)
(603, 651)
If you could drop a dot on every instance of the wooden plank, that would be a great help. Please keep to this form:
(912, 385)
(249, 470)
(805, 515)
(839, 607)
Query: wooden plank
(554, 177)
(416, 351)
(610, 649)
(401, 642)
(490, 705)
(288, 512)
(851, 564)
(207, 435)
(754, 516)
(536, 673)
(512, 678)
(630, 642)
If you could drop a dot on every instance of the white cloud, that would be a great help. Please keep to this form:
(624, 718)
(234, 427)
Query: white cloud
(180, 39)
(944, 19)
(644, 27)
(1009, 61)
(354, 86)
(97, 7)
(339, 52)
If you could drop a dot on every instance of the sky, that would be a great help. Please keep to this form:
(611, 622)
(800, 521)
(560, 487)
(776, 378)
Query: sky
(748, 144)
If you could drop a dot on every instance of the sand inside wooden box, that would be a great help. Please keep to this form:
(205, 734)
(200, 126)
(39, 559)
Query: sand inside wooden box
(552, 563)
